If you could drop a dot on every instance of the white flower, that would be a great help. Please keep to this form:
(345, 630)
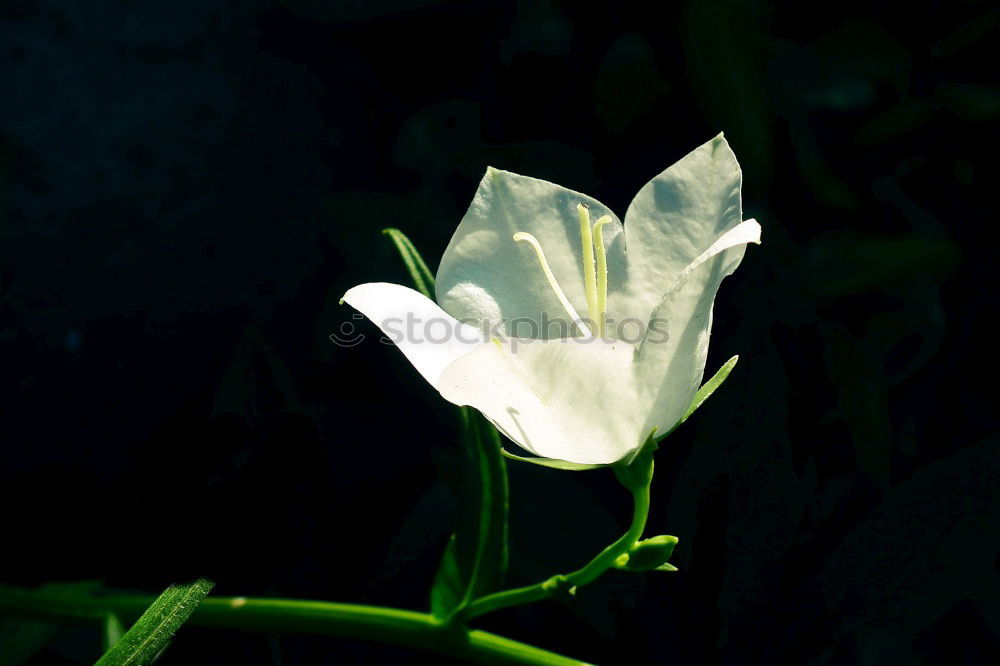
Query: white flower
(527, 251)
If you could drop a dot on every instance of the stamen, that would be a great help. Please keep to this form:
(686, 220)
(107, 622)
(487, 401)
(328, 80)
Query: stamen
(589, 275)
(570, 310)
(602, 273)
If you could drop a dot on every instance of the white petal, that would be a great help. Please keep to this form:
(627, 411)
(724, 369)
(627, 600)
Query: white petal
(742, 234)
(675, 217)
(570, 399)
(487, 276)
(429, 337)
(671, 360)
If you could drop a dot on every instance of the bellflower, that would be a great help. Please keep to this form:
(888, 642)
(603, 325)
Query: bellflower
(529, 259)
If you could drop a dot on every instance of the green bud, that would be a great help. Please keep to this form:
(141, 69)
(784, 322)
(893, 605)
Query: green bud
(649, 554)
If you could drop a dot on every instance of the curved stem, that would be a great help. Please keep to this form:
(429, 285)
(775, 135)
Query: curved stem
(587, 574)
(374, 623)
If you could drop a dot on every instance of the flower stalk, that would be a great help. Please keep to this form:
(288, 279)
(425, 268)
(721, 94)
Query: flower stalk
(641, 469)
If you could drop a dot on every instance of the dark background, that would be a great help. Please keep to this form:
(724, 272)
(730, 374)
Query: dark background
(187, 189)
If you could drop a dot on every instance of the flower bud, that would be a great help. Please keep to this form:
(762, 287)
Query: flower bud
(649, 554)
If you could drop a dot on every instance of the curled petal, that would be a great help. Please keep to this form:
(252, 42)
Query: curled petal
(429, 337)
(671, 360)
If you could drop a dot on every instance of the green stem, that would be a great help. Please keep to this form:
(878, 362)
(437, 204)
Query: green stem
(591, 571)
(373, 623)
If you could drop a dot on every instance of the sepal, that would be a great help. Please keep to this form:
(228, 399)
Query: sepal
(706, 390)
(709, 387)
(550, 462)
(637, 473)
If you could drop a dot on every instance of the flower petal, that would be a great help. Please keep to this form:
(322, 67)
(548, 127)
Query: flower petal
(429, 337)
(673, 354)
(488, 277)
(569, 399)
(675, 217)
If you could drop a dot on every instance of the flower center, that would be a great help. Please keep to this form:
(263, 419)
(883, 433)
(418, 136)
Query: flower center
(595, 272)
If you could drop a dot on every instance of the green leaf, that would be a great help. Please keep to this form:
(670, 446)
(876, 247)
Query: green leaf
(447, 590)
(149, 635)
(422, 277)
(551, 462)
(475, 559)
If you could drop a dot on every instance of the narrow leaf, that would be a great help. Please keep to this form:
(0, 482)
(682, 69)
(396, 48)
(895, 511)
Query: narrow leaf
(421, 275)
(475, 560)
(447, 590)
(490, 561)
(148, 636)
